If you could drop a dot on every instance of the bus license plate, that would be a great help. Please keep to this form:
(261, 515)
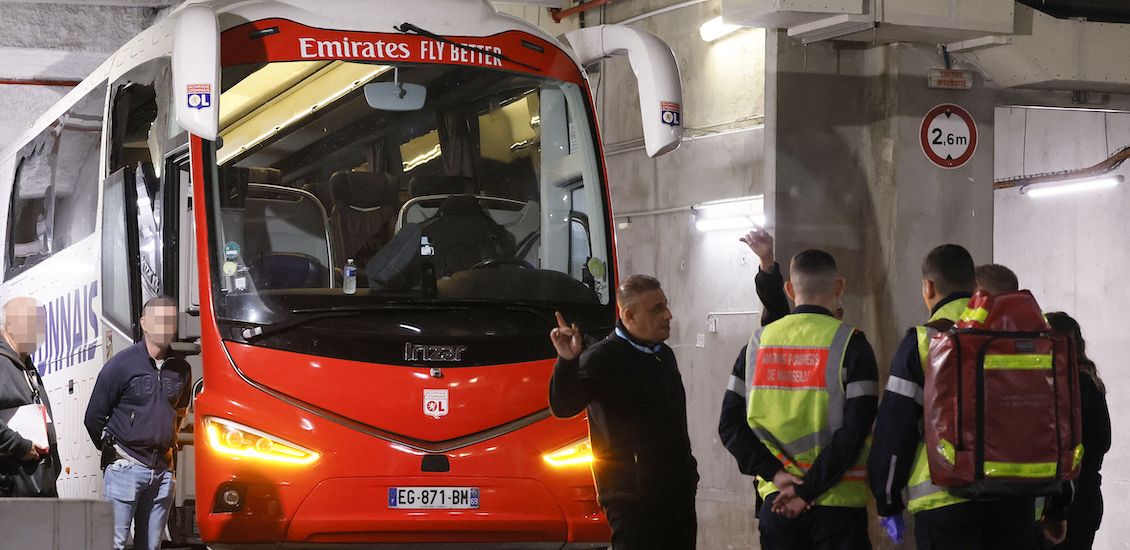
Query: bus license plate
(442, 498)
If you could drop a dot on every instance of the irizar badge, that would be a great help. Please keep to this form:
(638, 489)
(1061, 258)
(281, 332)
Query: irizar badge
(435, 403)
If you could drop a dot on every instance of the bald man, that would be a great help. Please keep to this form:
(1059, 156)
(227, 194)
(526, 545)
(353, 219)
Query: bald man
(27, 468)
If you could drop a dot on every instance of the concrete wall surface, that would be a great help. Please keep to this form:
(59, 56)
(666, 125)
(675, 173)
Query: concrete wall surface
(1071, 252)
(58, 42)
(848, 174)
(54, 524)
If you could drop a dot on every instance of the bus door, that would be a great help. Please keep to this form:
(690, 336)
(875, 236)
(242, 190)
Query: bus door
(148, 241)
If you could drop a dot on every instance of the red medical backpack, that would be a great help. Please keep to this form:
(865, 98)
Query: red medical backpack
(1001, 405)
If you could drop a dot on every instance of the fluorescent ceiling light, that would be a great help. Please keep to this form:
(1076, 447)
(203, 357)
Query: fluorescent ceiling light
(831, 27)
(714, 29)
(1050, 190)
(723, 224)
(734, 214)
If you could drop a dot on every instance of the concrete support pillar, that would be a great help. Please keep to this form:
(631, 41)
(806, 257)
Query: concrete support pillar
(845, 171)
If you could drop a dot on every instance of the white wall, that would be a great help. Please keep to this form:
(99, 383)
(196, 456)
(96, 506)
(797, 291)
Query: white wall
(1071, 251)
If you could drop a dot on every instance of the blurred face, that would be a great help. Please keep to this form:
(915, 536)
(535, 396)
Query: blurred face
(159, 324)
(649, 318)
(24, 324)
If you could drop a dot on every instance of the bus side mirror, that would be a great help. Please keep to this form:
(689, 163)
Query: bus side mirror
(657, 75)
(196, 71)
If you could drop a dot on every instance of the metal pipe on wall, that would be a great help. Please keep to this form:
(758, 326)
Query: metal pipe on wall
(558, 14)
(653, 13)
(39, 82)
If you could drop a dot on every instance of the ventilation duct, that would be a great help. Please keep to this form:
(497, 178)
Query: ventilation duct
(1100, 11)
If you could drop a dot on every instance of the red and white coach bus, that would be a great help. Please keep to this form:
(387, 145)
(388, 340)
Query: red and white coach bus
(369, 211)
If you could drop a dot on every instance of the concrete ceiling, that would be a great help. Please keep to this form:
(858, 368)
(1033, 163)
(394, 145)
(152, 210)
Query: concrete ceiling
(67, 39)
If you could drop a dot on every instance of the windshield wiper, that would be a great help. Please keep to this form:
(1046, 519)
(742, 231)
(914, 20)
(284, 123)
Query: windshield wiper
(259, 332)
(545, 311)
(407, 27)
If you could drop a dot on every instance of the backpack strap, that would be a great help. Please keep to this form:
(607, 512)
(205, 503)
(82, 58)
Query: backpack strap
(940, 325)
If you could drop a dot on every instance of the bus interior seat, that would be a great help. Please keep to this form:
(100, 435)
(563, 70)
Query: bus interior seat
(290, 270)
(286, 223)
(420, 186)
(323, 192)
(527, 229)
(268, 176)
(363, 214)
(516, 180)
(463, 234)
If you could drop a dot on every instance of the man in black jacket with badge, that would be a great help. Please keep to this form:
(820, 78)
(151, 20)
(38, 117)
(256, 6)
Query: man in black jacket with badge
(646, 478)
(27, 468)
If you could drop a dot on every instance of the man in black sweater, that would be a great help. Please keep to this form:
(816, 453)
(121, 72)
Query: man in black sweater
(139, 401)
(646, 477)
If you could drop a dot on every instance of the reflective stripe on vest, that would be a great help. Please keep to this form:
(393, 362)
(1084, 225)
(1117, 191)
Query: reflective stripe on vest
(796, 398)
(921, 492)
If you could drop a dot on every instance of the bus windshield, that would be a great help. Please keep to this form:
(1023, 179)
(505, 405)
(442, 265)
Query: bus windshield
(468, 186)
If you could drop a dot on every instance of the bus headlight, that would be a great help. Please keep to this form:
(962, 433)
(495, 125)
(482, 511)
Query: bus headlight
(578, 453)
(232, 439)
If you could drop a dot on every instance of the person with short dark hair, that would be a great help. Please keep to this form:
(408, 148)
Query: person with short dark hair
(996, 279)
(812, 391)
(28, 467)
(1085, 512)
(646, 477)
(942, 521)
(140, 399)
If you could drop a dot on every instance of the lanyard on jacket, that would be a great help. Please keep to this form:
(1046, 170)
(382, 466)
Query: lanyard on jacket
(33, 387)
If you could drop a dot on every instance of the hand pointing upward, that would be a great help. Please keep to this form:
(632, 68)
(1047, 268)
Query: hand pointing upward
(566, 339)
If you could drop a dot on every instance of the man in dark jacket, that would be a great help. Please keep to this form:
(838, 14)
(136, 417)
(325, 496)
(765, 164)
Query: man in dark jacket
(139, 400)
(27, 468)
(646, 477)
(898, 455)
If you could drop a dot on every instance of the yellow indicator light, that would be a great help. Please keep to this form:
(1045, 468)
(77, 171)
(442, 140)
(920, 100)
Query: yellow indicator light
(575, 454)
(232, 439)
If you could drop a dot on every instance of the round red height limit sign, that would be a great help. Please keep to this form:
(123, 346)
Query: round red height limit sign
(948, 135)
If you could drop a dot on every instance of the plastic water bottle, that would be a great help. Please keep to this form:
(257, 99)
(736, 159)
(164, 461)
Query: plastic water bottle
(350, 284)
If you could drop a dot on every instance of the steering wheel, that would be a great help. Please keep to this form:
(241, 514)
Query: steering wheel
(498, 262)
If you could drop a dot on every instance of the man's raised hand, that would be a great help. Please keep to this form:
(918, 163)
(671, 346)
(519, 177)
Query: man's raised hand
(566, 339)
(761, 243)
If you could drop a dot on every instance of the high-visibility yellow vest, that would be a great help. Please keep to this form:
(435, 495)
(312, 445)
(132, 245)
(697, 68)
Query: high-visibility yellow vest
(923, 494)
(794, 370)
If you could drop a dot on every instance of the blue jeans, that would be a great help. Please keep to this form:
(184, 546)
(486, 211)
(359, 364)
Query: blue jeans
(140, 496)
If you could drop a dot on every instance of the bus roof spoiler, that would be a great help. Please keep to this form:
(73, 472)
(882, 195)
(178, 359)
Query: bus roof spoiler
(196, 71)
(657, 75)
